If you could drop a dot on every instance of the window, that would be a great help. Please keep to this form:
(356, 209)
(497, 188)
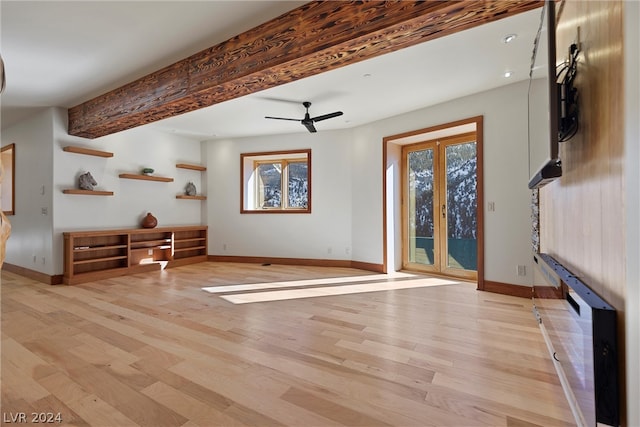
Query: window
(276, 182)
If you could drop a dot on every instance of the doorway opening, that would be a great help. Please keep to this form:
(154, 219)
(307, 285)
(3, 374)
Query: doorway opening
(439, 205)
(432, 193)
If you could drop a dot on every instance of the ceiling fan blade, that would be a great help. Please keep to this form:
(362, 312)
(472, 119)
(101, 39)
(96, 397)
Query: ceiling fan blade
(309, 125)
(327, 116)
(308, 121)
(281, 118)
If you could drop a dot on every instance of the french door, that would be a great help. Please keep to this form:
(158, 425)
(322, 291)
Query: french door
(440, 206)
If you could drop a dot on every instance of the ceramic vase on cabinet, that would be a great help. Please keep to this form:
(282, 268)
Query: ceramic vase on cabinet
(149, 221)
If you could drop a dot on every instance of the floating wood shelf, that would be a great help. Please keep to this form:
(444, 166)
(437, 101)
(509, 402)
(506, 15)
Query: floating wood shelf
(192, 167)
(86, 151)
(184, 196)
(145, 177)
(88, 192)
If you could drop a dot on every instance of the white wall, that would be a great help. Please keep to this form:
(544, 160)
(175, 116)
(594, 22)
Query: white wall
(347, 189)
(31, 231)
(507, 229)
(346, 219)
(394, 207)
(41, 162)
(133, 150)
(325, 233)
(366, 174)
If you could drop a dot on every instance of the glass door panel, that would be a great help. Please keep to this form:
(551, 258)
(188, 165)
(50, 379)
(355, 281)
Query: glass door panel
(421, 207)
(461, 199)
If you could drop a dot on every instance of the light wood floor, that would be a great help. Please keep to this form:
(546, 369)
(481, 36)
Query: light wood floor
(156, 350)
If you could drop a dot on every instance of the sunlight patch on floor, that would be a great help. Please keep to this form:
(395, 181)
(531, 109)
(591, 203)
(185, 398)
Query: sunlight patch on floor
(307, 282)
(320, 291)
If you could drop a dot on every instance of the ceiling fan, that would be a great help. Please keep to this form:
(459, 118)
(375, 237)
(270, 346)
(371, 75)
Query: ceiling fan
(308, 121)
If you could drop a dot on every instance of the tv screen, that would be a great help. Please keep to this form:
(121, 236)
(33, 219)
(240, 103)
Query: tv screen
(544, 160)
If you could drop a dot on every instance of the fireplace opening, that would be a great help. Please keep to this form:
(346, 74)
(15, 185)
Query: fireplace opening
(581, 334)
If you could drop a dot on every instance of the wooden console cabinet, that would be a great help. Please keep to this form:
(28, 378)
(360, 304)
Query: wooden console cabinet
(100, 254)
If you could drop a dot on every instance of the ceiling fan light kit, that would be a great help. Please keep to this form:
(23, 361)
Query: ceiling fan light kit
(308, 121)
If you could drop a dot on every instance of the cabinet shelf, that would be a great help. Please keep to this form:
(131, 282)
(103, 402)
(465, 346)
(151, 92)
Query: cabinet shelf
(145, 177)
(191, 166)
(143, 244)
(190, 248)
(102, 259)
(86, 151)
(192, 239)
(85, 249)
(186, 197)
(100, 254)
(146, 248)
(88, 192)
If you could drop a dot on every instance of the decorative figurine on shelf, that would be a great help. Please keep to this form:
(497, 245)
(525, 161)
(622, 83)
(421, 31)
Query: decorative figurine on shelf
(147, 171)
(149, 221)
(190, 189)
(86, 181)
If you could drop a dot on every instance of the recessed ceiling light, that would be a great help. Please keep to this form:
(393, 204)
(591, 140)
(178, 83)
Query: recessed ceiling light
(508, 74)
(509, 38)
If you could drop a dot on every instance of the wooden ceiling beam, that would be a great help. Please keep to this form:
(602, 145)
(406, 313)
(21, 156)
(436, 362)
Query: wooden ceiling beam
(316, 37)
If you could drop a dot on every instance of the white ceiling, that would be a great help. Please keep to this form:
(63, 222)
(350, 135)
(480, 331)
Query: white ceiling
(62, 53)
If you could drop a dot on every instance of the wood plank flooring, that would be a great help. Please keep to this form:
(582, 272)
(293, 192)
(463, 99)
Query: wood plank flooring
(154, 349)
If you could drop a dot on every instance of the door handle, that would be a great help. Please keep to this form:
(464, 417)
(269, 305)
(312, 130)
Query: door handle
(444, 211)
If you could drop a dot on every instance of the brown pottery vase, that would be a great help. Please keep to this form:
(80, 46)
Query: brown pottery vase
(149, 221)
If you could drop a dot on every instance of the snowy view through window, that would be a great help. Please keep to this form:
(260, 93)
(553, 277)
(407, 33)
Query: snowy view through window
(298, 185)
(271, 176)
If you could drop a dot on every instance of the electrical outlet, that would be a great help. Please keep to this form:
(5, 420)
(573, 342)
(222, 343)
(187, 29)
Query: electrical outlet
(329, 250)
(44, 211)
(224, 246)
(492, 206)
(150, 252)
(522, 270)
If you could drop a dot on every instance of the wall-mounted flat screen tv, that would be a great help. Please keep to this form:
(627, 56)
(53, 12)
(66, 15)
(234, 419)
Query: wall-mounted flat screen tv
(544, 159)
